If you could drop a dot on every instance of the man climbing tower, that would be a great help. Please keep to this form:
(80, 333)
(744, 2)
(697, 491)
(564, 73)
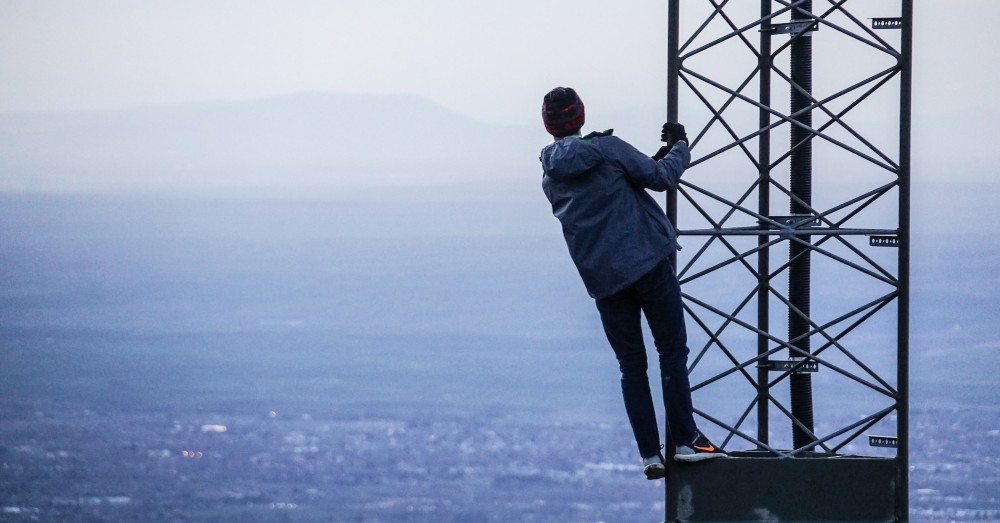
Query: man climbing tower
(620, 240)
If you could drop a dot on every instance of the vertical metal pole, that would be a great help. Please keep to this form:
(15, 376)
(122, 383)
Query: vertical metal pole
(799, 269)
(673, 70)
(764, 208)
(903, 329)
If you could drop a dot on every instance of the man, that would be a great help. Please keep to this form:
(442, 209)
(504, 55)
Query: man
(620, 241)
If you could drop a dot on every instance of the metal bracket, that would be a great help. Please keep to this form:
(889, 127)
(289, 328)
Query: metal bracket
(802, 26)
(889, 442)
(797, 221)
(787, 365)
(883, 241)
(887, 23)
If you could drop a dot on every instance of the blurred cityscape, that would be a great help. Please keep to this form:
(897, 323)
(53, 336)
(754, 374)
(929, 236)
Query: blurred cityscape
(79, 465)
(209, 360)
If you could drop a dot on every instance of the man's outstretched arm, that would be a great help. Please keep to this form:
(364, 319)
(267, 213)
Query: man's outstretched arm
(658, 175)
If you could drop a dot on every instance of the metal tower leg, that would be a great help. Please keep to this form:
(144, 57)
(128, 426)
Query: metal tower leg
(801, 203)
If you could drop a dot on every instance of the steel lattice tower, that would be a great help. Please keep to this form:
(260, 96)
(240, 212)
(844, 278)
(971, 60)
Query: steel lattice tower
(798, 322)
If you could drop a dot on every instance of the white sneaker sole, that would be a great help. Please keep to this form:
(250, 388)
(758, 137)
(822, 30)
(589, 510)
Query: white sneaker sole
(701, 456)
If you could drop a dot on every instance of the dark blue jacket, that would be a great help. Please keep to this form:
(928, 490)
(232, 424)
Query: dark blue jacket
(615, 230)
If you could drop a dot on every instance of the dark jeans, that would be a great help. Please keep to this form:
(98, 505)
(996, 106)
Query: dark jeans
(658, 295)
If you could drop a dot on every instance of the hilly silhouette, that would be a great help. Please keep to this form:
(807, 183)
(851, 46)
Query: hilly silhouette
(305, 140)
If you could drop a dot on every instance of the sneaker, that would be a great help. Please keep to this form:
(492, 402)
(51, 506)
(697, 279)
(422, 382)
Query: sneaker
(654, 468)
(698, 450)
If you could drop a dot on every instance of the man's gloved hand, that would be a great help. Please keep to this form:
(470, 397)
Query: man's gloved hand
(662, 153)
(672, 133)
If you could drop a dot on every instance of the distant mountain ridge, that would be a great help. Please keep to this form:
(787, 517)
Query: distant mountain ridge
(310, 141)
(304, 138)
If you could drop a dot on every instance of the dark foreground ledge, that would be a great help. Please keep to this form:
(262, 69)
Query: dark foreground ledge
(757, 486)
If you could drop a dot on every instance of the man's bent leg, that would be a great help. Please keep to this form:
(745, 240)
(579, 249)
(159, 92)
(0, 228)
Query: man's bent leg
(621, 317)
(660, 295)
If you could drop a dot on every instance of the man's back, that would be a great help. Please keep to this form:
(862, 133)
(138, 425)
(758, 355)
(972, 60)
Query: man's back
(614, 229)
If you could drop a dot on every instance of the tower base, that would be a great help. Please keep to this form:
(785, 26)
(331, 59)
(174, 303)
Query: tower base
(757, 486)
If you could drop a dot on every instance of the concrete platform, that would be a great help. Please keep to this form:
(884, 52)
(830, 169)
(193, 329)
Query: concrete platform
(756, 486)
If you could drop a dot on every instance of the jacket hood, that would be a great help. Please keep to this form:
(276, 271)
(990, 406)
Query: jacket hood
(569, 157)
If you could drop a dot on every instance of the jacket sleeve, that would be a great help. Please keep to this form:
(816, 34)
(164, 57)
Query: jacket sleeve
(649, 173)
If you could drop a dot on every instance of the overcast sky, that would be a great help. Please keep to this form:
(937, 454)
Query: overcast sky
(489, 60)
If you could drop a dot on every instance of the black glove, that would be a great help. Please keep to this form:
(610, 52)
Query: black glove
(662, 153)
(672, 133)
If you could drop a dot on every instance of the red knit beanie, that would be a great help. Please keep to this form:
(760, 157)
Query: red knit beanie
(562, 112)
